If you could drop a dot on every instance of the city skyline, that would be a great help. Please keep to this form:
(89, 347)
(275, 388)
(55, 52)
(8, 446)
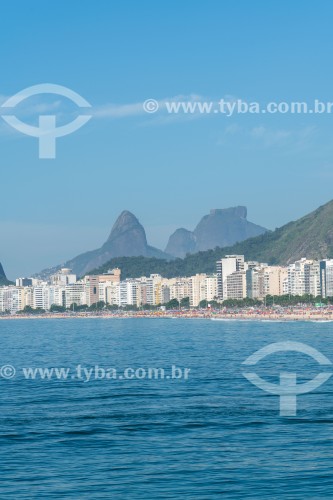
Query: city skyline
(235, 279)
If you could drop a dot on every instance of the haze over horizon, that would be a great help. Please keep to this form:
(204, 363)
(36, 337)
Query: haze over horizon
(168, 170)
(93, 230)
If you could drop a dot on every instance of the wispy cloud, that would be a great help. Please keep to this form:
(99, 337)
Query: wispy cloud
(118, 110)
(64, 111)
(167, 110)
(136, 109)
(259, 135)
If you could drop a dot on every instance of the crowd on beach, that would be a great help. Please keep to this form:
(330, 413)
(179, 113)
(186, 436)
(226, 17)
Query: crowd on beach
(295, 313)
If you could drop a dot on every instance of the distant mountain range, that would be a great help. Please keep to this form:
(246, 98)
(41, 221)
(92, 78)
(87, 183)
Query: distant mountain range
(128, 239)
(311, 237)
(223, 231)
(221, 228)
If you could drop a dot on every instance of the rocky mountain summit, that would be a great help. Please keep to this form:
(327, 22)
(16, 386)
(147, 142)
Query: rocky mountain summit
(220, 228)
(127, 239)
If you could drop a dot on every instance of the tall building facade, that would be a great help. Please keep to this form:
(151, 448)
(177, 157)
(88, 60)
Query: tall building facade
(326, 277)
(231, 280)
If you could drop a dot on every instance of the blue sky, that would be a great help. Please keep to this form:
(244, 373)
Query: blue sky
(169, 171)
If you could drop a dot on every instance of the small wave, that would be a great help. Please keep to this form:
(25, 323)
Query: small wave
(321, 320)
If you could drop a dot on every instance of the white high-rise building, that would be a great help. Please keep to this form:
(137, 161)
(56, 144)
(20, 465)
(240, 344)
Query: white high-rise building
(153, 289)
(231, 280)
(211, 288)
(296, 277)
(75, 293)
(112, 294)
(179, 288)
(44, 296)
(11, 299)
(128, 293)
(312, 278)
(197, 289)
(40, 297)
(202, 287)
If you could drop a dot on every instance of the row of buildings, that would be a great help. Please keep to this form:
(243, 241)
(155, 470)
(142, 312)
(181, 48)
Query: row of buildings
(239, 279)
(234, 279)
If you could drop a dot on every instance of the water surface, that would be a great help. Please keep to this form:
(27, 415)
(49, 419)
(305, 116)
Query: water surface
(211, 436)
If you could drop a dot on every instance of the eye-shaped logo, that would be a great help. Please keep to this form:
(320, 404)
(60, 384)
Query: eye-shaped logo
(288, 388)
(47, 131)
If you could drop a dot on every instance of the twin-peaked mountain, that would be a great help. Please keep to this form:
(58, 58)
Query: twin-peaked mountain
(128, 239)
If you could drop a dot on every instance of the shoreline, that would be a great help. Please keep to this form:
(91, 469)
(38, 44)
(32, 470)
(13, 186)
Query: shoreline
(262, 316)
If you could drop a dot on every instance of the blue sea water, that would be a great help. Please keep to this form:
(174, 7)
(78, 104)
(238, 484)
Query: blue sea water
(213, 435)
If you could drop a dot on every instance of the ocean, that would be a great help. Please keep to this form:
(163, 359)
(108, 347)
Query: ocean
(205, 433)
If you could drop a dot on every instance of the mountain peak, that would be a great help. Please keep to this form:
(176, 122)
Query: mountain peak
(239, 211)
(127, 237)
(125, 222)
(310, 236)
(126, 215)
(220, 228)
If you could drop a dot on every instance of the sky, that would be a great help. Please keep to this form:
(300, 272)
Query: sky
(169, 170)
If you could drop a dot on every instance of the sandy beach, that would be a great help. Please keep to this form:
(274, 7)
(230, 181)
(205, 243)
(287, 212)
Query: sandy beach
(294, 314)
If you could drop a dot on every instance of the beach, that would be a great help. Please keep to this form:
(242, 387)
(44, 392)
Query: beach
(265, 314)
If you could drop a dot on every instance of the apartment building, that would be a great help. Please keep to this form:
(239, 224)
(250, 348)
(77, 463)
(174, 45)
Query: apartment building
(263, 280)
(228, 286)
(96, 285)
(75, 293)
(179, 288)
(11, 299)
(202, 287)
(326, 277)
